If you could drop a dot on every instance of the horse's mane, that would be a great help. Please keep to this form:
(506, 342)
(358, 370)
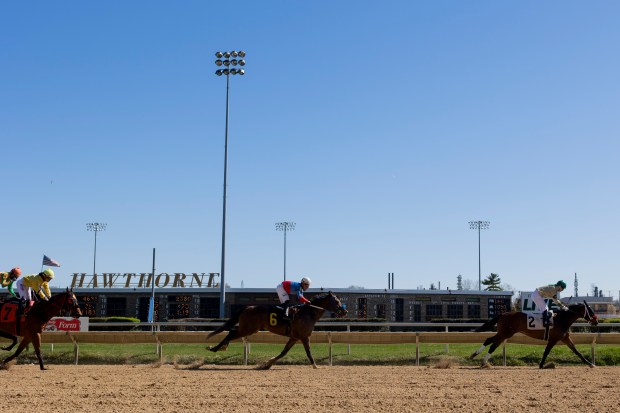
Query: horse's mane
(575, 306)
(319, 297)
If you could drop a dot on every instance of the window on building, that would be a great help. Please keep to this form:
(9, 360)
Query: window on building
(399, 310)
(417, 313)
(434, 311)
(473, 311)
(116, 307)
(381, 311)
(209, 307)
(455, 311)
(362, 308)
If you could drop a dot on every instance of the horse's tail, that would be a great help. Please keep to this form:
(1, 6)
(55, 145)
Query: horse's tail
(227, 325)
(488, 325)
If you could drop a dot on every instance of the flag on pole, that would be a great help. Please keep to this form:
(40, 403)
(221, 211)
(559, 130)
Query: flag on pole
(50, 262)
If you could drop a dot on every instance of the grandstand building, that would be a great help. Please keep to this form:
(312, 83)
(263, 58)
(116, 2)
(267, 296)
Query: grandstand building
(196, 296)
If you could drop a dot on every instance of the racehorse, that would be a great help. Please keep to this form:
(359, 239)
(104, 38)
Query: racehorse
(508, 324)
(33, 322)
(251, 319)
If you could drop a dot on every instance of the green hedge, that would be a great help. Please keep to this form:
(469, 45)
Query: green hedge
(93, 321)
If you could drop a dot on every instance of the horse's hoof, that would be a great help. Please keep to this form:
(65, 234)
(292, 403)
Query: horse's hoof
(591, 366)
(314, 366)
(550, 365)
(486, 365)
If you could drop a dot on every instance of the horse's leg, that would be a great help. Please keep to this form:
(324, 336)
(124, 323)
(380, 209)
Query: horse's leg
(493, 347)
(10, 337)
(267, 365)
(232, 334)
(550, 344)
(22, 345)
(306, 343)
(482, 347)
(36, 342)
(566, 340)
(488, 341)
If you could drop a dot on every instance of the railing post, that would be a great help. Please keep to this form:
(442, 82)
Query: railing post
(245, 351)
(76, 349)
(329, 340)
(417, 348)
(593, 351)
(504, 351)
(349, 344)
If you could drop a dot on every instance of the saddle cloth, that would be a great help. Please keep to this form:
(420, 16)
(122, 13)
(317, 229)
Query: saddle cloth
(535, 321)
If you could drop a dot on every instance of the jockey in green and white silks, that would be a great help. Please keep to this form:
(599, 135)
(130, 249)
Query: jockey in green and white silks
(550, 292)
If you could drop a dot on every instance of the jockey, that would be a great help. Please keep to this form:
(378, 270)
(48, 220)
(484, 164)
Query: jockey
(8, 278)
(548, 291)
(291, 287)
(37, 282)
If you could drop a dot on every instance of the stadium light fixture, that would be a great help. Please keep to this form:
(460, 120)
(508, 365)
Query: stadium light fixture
(230, 67)
(479, 225)
(285, 226)
(95, 227)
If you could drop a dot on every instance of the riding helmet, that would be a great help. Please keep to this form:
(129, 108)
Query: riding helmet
(49, 274)
(306, 280)
(561, 284)
(16, 272)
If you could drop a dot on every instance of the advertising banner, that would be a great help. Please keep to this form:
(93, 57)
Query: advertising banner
(67, 324)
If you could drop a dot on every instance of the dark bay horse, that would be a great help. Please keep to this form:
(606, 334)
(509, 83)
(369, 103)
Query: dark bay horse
(34, 321)
(508, 324)
(251, 319)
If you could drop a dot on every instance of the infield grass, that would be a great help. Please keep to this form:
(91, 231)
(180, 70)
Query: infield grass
(342, 354)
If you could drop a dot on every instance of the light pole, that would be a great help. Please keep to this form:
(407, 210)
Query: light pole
(285, 226)
(479, 225)
(95, 227)
(226, 59)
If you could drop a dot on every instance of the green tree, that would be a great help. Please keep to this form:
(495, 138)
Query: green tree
(492, 283)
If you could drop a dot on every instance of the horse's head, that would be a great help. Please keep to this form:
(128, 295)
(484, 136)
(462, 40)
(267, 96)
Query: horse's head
(584, 311)
(70, 304)
(589, 315)
(330, 302)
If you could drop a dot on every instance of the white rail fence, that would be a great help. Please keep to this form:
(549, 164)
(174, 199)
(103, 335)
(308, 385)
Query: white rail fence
(416, 338)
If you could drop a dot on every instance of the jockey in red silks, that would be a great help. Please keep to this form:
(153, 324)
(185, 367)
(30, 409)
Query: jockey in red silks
(291, 287)
(7, 279)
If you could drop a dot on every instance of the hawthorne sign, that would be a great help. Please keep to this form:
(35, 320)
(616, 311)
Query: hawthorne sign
(144, 280)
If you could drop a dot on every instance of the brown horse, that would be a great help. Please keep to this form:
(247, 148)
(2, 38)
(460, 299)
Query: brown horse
(508, 324)
(251, 319)
(33, 322)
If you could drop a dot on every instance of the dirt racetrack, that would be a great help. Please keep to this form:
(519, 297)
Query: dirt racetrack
(143, 388)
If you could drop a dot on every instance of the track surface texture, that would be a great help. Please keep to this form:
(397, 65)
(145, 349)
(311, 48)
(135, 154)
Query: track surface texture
(167, 388)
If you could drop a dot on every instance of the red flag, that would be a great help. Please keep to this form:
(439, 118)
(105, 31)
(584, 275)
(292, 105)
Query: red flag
(50, 262)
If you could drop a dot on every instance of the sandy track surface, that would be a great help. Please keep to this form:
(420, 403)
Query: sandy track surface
(145, 388)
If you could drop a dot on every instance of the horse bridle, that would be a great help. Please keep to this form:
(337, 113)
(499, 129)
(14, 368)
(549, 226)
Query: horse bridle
(589, 315)
(61, 306)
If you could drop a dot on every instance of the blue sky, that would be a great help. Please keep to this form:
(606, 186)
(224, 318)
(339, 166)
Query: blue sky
(380, 128)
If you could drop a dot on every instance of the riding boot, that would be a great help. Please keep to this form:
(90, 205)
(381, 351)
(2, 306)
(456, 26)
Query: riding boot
(546, 318)
(285, 306)
(18, 316)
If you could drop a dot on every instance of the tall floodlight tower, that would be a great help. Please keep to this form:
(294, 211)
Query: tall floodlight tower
(479, 225)
(284, 227)
(229, 61)
(95, 227)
